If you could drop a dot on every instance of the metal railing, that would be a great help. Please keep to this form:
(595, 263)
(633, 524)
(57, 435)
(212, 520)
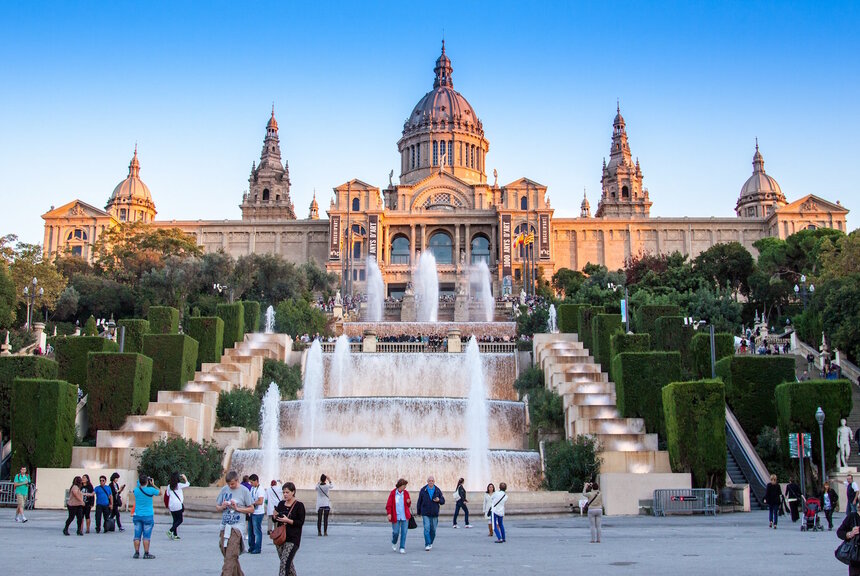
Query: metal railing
(685, 501)
(746, 457)
(7, 495)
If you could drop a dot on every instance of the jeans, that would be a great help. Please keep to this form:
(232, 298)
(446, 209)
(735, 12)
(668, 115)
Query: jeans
(177, 520)
(499, 523)
(76, 513)
(457, 506)
(773, 513)
(322, 520)
(102, 511)
(399, 528)
(143, 526)
(595, 515)
(430, 523)
(255, 533)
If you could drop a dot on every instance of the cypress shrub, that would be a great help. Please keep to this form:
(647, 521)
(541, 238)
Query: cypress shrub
(239, 407)
(603, 326)
(43, 423)
(586, 313)
(163, 320)
(621, 342)
(570, 464)
(695, 414)
(135, 328)
(233, 316)
(640, 377)
(289, 378)
(90, 328)
(751, 383)
(119, 386)
(670, 334)
(209, 333)
(174, 358)
(700, 351)
(646, 317)
(71, 354)
(252, 316)
(568, 317)
(12, 367)
(796, 404)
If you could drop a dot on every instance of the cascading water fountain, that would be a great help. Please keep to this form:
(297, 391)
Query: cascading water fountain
(425, 281)
(552, 323)
(479, 276)
(477, 419)
(270, 320)
(270, 416)
(375, 291)
(312, 391)
(341, 368)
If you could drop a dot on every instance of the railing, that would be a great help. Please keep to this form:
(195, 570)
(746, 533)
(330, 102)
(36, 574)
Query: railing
(401, 347)
(329, 346)
(7, 495)
(685, 501)
(745, 455)
(496, 347)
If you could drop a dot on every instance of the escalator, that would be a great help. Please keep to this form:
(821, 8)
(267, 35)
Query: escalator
(743, 464)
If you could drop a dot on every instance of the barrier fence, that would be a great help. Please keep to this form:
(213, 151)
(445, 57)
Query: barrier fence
(7, 495)
(685, 501)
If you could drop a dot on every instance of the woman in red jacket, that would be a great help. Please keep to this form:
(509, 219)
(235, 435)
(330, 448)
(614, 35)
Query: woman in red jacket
(397, 509)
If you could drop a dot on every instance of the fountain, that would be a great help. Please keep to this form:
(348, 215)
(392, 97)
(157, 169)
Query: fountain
(425, 280)
(270, 320)
(312, 391)
(477, 419)
(479, 278)
(270, 416)
(340, 367)
(375, 291)
(552, 326)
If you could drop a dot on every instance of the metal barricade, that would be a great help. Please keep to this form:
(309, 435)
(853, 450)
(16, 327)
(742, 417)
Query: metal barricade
(7, 495)
(685, 501)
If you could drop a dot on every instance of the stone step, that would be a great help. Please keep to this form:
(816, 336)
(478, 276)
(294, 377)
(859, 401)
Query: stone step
(210, 385)
(203, 414)
(172, 396)
(585, 387)
(609, 426)
(588, 400)
(635, 462)
(627, 442)
(129, 438)
(97, 458)
(184, 426)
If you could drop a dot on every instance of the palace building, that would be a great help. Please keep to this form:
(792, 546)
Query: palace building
(444, 202)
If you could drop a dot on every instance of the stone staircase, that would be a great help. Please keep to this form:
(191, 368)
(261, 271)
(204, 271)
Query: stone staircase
(189, 413)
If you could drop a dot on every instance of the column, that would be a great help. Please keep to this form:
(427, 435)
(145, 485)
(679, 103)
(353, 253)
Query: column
(412, 244)
(469, 245)
(423, 237)
(457, 246)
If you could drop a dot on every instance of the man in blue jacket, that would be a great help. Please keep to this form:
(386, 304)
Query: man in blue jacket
(429, 500)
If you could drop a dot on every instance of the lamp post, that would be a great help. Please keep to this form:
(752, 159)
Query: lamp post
(802, 291)
(30, 295)
(221, 288)
(819, 416)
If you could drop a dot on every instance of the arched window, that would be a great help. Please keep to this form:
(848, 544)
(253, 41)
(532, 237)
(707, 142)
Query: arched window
(450, 152)
(480, 249)
(356, 204)
(400, 250)
(265, 194)
(524, 203)
(625, 192)
(77, 234)
(358, 235)
(435, 153)
(122, 214)
(412, 153)
(418, 156)
(442, 248)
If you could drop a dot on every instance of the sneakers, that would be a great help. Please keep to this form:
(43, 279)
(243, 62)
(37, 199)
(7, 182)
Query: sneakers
(394, 547)
(403, 550)
(136, 555)
(122, 529)
(176, 537)
(468, 525)
(148, 556)
(23, 519)
(427, 548)
(454, 526)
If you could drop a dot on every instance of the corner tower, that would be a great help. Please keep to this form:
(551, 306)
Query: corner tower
(623, 195)
(269, 193)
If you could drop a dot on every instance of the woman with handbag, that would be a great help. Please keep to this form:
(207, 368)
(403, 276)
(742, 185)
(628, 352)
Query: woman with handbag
(289, 518)
(176, 502)
(460, 502)
(75, 504)
(399, 514)
(488, 504)
(850, 548)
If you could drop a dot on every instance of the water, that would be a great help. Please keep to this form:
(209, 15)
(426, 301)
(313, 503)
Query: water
(477, 420)
(375, 291)
(312, 387)
(270, 320)
(270, 417)
(479, 279)
(425, 282)
(341, 367)
(552, 326)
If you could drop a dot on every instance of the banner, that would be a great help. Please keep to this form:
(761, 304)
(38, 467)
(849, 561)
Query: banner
(372, 227)
(543, 245)
(334, 237)
(506, 244)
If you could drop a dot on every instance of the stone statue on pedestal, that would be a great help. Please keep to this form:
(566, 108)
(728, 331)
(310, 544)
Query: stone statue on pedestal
(522, 296)
(338, 299)
(843, 441)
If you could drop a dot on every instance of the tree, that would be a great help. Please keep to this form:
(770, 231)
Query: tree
(171, 284)
(567, 282)
(67, 304)
(28, 264)
(126, 251)
(7, 298)
(296, 317)
(726, 264)
(103, 297)
(267, 278)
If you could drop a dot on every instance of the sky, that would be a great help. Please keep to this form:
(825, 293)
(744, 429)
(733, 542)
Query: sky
(193, 84)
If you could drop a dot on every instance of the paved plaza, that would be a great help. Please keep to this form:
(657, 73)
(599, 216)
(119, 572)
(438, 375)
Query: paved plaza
(730, 544)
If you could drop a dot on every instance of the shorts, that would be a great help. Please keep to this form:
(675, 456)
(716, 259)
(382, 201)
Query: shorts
(143, 526)
(21, 500)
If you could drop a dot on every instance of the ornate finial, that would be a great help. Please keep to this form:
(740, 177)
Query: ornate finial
(618, 105)
(756, 143)
(584, 195)
(273, 108)
(443, 41)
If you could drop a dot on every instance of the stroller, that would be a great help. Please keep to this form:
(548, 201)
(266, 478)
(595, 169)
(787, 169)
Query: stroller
(811, 521)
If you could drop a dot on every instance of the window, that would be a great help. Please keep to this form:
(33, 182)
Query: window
(480, 249)
(356, 204)
(442, 248)
(418, 156)
(625, 192)
(435, 153)
(450, 152)
(78, 251)
(122, 214)
(77, 234)
(356, 249)
(400, 250)
(265, 195)
(472, 156)
(524, 203)
(412, 153)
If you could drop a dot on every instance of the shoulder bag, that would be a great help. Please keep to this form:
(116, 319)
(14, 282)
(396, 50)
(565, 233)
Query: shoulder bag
(490, 511)
(279, 534)
(588, 504)
(412, 524)
(848, 551)
(178, 498)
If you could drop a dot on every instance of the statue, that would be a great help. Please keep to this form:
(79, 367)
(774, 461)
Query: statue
(338, 300)
(462, 257)
(843, 440)
(495, 178)
(522, 296)
(410, 291)
(390, 176)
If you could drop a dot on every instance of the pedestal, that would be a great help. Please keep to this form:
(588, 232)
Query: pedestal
(337, 312)
(407, 309)
(368, 343)
(461, 308)
(454, 342)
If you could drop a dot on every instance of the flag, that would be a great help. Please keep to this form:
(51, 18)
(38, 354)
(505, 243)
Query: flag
(530, 239)
(518, 240)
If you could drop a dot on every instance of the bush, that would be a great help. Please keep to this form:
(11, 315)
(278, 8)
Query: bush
(568, 317)
(288, 378)
(12, 367)
(586, 313)
(672, 335)
(770, 451)
(603, 326)
(239, 407)
(90, 327)
(695, 414)
(530, 378)
(233, 316)
(135, 329)
(201, 463)
(297, 317)
(252, 316)
(163, 320)
(646, 317)
(621, 342)
(119, 386)
(71, 355)
(751, 382)
(546, 410)
(640, 377)
(174, 358)
(209, 333)
(700, 351)
(569, 465)
(43, 423)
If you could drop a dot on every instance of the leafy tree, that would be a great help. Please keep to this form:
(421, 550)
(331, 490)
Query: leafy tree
(7, 298)
(567, 282)
(726, 264)
(103, 297)
(126, 251)
(267, 278)
(7, 247)
(296, 316)
(28, 264)
(171, 284)
(70, 266)
(534, 322)
(67, 304)
(288, 379)
(239, 407)
(569, 465)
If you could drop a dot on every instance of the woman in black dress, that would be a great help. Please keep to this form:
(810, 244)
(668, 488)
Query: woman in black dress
(88, 490)
(290, 513)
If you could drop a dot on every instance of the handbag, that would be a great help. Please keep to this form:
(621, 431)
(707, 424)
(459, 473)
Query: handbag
(587, 504)
(279, 534)
(848, 551)
(412, 524)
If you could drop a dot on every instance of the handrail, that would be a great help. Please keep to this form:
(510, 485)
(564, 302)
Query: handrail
(747, 458)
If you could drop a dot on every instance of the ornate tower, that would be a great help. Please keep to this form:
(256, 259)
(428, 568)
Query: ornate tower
(131, 200)
(314, 213)
(269, 194)
(760, 194)
(585, 207)
(623, 195)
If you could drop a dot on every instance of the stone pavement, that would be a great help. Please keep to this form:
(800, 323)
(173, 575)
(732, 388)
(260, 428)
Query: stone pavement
(733, 544)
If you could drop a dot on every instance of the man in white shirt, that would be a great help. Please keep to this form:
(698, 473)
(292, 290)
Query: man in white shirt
(233, 501)
(255, 524)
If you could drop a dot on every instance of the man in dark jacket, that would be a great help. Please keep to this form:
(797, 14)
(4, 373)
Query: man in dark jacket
(793, 498)
(429, 500)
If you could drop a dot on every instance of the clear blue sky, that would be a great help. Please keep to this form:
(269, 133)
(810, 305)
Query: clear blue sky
(192, 83)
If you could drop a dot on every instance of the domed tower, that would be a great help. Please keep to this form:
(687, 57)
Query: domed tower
(269, 194)
(760, 194)
(623, 195)
(443, 132)
(585, 207)
(131, 200)
(314, 213)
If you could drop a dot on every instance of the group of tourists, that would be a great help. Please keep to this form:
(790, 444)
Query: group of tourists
(106, 498)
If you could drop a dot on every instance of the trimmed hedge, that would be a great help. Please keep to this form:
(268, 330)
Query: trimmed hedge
(796, 404)
(71, 354)
(12, 367)
(640, 377)
(209, 333)
(586, 313)
(695, 414)
(252, 316)
(135, 328)
(621, 342)
(238, 407)
(603, 326)
(174, 358)
(670, 334)
(43, 423)
(750, 385)
(700, 351)
(568, 317)
(233, 316)
(163, 320)
(119, 386)
(646, 317)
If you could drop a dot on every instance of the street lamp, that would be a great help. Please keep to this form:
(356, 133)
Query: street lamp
(30, 295)
(819, 416)
(802, 289)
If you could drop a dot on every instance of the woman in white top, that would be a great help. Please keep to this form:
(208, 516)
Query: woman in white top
(273, 496)
(176, 502)
(498, 511)
(323, 504)
(488, 503)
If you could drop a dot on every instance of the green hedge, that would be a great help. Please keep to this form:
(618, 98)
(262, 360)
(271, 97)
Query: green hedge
(695, 414)
(233, 316)
(12, 367)
(621, 342)
(201, 463)
(671, 334)
(135, 328)
(43, 423)
(603, 326)
(646, 317)
(640, 377)
(700, 351)
(252, 316)
(71, 354)
(586, 313)
(163, 320)
(750, 385)
(174, 358)
(209, 333)
(568, 317)
(119, 386)
(796, 404)
(239, 407)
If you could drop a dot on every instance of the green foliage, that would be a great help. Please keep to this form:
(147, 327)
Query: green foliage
(252, 316)
(639, 380)
(12, 367)
(163, 320)
(568, 282)
(239, 407)
(174, 358)
(586, 313)
(90, 328)
(71, 355)
(118, 387)
(288, 378)
(296, 317)
(726, 264)
(646, 318)
(621, 342)
(135, 329)
(209, 333)
(201, 463)
(569, 465)
(531, 377)
(546, 410)
(603, 326)
(98, 296)
(670, 333)
(531, 322)
(7, 298)
(700, 350)
(233, 316)
(568, 317)
(750, 385)
(43, 423)
(769, 449)
(695, 415)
